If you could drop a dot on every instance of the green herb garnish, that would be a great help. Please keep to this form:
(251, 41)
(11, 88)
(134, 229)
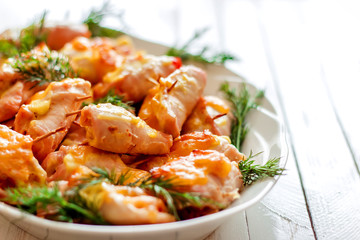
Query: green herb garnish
(183, 52)
(8, 48)
(29, 37)
(34, 198)
(242, 103)
(252, 172)
(114, 99)
(95, 18)
(43, 67)
(165, 189)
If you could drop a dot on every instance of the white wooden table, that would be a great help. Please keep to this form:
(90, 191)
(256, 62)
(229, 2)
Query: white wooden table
(306, 54)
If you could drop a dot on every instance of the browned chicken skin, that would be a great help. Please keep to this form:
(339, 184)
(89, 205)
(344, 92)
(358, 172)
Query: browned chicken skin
(48, 111)
(115, 129)
(167, 105)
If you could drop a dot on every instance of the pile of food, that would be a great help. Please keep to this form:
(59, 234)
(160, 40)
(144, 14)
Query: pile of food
(95, 131)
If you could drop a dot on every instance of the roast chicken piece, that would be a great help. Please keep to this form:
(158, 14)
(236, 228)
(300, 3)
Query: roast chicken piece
(18, 167)
(187, 143)
(59, 35)
(205, 140)
(15, 88)
(10, 91)
(167, 105)
(56, 36)
(112, 128)
(10, 101)
(8, 76)
(207, 173)
(17, 94)
(65, 163)
(211, 113)
(47, 112)
(136, 76)
(76, 135)
(93, 58)
(122, 205)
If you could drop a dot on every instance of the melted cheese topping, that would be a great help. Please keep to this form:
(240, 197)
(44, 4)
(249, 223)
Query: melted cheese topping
(39, 107)
(17, 160)
(195, 169)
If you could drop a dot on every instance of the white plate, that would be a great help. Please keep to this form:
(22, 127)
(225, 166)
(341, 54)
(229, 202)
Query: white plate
(266, 134)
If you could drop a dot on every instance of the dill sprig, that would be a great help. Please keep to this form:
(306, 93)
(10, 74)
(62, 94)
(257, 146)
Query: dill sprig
(201, 56)
(29, 37)
(95, 18)
(113, 178)
(114, 99)
(43, 67)
(34, 198)
(242, 102)
(8, 48)
(252, 172)
(165, 189)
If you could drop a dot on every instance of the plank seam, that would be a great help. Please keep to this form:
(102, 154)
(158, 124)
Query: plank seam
(274, 78)
(247, 225)
(338, 119)
(284, 217)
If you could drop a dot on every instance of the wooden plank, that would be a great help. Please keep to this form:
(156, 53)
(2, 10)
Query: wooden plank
(276, 216)
(341, 65)
(243, 37)
(238, 33)
(282, 214)
(9, 231)
(329, 175)
(234, 228)
(210, 11)
(254, 60)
